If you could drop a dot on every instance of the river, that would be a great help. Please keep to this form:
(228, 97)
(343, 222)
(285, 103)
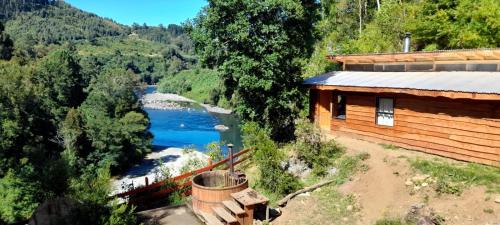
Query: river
(177, 129)
(192, 127)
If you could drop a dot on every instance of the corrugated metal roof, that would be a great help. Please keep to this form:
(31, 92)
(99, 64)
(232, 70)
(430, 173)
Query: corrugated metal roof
(471, 82)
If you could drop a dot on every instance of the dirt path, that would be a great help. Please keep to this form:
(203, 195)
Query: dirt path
(381, 193)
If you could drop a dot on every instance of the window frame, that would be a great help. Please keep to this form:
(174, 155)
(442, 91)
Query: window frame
(377, 112)
(334, 106)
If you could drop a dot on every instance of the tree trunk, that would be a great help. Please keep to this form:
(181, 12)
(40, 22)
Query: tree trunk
(360, 16)
(378, 5)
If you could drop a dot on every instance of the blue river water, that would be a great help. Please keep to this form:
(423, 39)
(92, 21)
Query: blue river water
(191, 127)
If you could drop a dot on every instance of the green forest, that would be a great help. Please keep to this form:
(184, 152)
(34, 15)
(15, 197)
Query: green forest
(69, 113)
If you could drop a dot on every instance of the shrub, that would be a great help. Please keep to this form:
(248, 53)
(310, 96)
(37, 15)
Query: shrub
(268, 158)
(311, 148)
(214, 151)
(18, 198)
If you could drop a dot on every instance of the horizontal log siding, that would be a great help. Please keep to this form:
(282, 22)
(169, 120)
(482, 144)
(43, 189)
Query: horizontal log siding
(460, 129)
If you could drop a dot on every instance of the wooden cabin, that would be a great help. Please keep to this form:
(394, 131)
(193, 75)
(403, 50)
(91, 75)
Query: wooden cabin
(445, 103)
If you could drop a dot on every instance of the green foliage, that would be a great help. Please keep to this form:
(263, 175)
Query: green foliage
(6, 44)
(452, 178)
(58, 23)
(434, 24)
(11, 8)
(457, 24)
(389, 221)
(268, 158)
(192, 164)
(202, 85)
(312, 149)
(259, 48)
(18, 197)
(115, 123)
(92, 191)
(214, 151)
(120, 215)
(60, 81)
(347, 166)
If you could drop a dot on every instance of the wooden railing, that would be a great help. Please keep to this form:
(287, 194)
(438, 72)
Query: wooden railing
(156, 191)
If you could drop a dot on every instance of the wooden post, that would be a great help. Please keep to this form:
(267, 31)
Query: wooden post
(146, 181)
(267, 213)
(210, 162)
(231, 159)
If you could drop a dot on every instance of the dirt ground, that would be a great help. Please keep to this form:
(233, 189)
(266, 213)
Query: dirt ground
(381, 192)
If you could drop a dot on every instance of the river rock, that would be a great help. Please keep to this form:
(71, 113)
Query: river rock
(221, 127)
(497, 199)
(419, 177)
(421, 214)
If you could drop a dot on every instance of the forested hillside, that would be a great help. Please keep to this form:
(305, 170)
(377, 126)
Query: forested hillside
(10, 8)
(367, 27)
(59, 22)
(69, 112)
(151, 52)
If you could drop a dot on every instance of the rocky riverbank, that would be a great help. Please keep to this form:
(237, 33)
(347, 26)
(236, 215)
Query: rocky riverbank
(172, 158)
(172, 101)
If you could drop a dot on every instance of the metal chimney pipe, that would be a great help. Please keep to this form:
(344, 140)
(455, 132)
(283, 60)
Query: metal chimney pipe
(406, 46)
(231, 159)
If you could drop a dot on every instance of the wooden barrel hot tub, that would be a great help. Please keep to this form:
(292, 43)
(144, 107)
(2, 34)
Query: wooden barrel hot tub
(211, 188)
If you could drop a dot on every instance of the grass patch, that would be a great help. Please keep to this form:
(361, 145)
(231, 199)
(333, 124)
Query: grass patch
(389, 146)
(452, 178)
(334, 206)
(390, 221)
(488, 210)
(348, 165)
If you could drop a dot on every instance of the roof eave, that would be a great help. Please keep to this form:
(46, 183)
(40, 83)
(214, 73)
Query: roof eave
(417, 92)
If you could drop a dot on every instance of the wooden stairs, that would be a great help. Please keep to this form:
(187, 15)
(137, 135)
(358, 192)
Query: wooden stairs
(235, 211)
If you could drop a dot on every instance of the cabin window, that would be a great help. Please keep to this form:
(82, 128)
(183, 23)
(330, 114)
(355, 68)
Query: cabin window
(339, 107)
(385, 111)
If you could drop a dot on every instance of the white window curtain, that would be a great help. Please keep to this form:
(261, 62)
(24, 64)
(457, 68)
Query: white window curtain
(385, 113)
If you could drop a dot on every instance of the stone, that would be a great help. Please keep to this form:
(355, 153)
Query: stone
(497, 199)
(409, 183)
(421, 214)
(332, 171)
(425, 184)
(345, 219)
(419, 177)
(307, 194)
(221, 127)
(416, 188)
(349, 208)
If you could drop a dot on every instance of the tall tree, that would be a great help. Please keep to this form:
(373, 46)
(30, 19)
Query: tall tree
(61, 82)
(6, 44)
(259, 48)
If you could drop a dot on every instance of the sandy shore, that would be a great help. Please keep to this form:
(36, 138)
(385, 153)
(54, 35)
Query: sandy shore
(173, 158)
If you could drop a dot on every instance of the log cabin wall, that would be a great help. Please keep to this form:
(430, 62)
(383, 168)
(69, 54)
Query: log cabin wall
(466, 130)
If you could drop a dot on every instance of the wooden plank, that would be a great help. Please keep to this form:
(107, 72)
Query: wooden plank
(423, 143)
(233, 207)
(210, 219)
(447, 143)
(466, 133)
(249, 197)
(427, 93)
(450, 124)
(443, 116)
(413, 147)
(224, 214)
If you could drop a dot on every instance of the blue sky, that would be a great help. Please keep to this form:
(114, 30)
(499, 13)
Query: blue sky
(151, 12)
